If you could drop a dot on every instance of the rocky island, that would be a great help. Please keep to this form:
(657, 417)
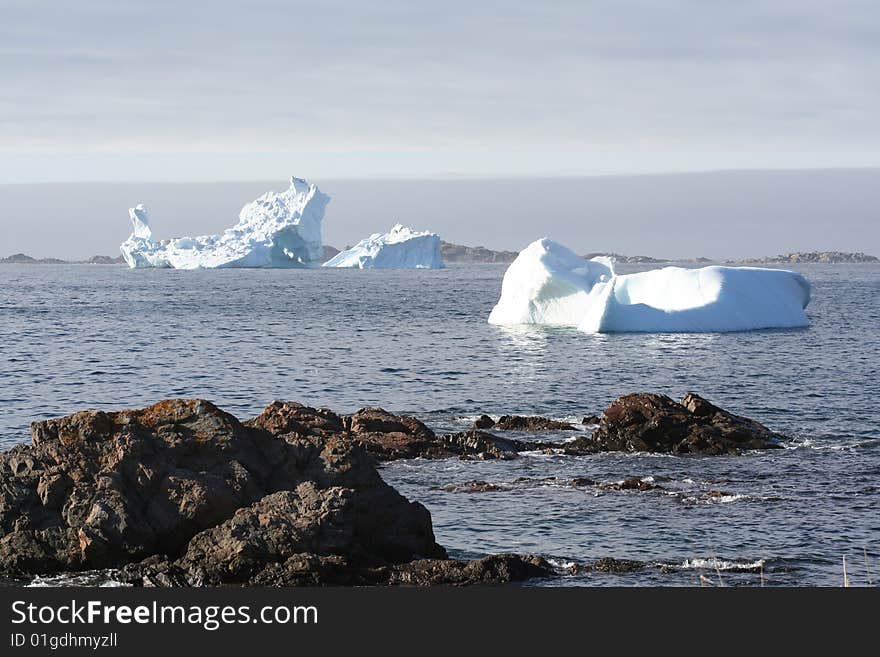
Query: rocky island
(821, 257)
(457, 253)
(23, 259)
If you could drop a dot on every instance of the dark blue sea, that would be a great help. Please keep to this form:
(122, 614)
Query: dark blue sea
(80, 336)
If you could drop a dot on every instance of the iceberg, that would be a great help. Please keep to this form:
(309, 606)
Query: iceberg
(549, 284)
(276, 230)
(399, 248)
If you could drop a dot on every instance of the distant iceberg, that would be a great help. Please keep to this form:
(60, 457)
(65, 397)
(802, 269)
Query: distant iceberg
(276, 230)
(551, 285)
(399, 248)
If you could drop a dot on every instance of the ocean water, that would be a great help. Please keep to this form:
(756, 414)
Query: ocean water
(78, 336)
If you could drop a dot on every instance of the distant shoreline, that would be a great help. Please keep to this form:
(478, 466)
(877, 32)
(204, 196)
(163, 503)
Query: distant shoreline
(459, 254)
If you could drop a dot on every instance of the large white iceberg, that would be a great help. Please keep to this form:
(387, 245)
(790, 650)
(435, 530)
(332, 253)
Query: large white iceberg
(549, 284)
(276, 230)
(399, 248)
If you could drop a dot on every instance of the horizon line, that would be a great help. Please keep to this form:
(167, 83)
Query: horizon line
(459, 177)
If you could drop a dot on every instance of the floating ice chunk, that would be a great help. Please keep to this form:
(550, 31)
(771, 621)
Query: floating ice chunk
(140, 222)
(549, 284)
(276, 230)
(139, 250)
(399, 248)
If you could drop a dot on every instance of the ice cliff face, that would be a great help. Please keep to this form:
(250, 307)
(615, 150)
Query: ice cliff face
(276, 230)
(400, 248)
(549, 284)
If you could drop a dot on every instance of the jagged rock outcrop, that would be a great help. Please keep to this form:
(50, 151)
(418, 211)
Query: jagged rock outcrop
(289, 529)
(100, 489)
(183, 494)
(646, 422)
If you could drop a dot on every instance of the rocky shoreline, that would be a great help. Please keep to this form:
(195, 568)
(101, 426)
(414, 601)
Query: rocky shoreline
(183, 494)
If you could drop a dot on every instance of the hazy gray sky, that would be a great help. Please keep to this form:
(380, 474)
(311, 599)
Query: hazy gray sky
(719, 215)
(186, 91)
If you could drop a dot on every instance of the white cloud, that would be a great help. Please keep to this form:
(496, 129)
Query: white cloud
(678, 79)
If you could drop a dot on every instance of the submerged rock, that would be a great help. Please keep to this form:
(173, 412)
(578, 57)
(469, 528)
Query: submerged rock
(632, 483)
(483, 445)
(478, 486)
(612, 565)
(530, 423)
(646, 422)
(484, 422)
(389, 437)
(580, 446)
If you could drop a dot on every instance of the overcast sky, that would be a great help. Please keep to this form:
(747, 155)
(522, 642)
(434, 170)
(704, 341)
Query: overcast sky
(188, 91)
(718, 215)
(165, 91)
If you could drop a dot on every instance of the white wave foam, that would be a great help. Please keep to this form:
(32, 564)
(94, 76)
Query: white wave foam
(99, 578)
(725, 499)
(699, 563)
(830, 443)
(561, 564)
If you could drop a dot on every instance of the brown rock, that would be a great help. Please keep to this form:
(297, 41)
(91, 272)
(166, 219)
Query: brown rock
(473, 487)
(530, 423)
(484, 422)
(100, 489)
(306, 569)
(52, 489)
(387, 436)
(282, 417)
(495, 569)
(633, 483)
(612, 565)
(311, 520)
(646, 422)
(481, 444)
(580, 446)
